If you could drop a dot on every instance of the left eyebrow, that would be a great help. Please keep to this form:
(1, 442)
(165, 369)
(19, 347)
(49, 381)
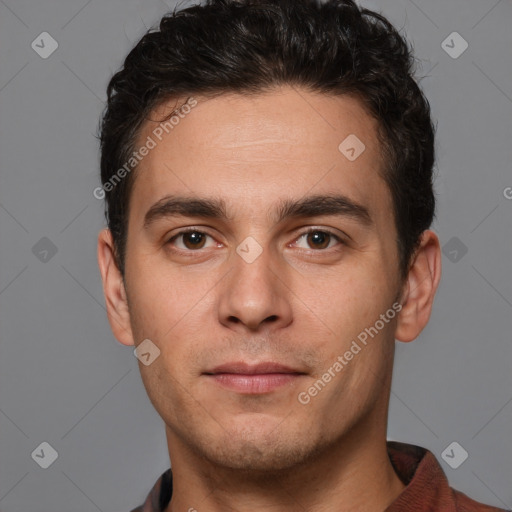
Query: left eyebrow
(323, 205)
(215, 208)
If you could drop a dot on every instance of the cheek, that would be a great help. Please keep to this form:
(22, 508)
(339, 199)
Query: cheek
(343, 299)
(350, 308)
(161, 300)
(171, 311)
(164, 387)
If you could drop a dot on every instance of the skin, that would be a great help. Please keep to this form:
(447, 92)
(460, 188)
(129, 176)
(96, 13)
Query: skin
(301, 303)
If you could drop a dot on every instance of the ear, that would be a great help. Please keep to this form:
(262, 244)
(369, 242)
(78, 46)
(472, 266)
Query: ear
(113, 289)
(420, 288)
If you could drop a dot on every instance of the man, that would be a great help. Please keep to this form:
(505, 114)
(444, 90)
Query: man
(267, 168)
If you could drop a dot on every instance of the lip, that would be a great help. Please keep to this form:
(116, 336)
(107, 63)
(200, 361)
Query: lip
(258, 378)
(241, 367)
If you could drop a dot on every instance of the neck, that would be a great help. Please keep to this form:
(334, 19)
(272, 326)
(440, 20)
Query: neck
(353, 474)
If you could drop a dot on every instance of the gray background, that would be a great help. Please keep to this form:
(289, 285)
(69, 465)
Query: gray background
(65, 380)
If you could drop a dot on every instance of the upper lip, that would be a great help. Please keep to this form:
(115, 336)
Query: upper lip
(243, 368)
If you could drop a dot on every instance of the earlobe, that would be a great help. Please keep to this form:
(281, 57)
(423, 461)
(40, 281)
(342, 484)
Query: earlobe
(420, 288)
(114, 290)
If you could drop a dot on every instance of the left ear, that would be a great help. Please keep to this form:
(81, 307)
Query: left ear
(420, 288)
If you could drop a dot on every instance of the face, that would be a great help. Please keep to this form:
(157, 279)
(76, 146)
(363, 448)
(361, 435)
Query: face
(258, 288)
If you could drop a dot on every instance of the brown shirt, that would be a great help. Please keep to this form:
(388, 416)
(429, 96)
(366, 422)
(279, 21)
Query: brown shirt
(427, 488)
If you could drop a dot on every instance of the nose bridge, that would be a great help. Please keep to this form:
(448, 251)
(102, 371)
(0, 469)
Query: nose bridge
(253, 268)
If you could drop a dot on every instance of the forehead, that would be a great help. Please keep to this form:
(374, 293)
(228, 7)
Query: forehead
(251, 150)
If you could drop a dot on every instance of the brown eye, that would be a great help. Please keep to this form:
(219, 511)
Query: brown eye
(319, 239)
(191, 239)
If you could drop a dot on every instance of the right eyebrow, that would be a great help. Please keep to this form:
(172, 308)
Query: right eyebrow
(171, 206)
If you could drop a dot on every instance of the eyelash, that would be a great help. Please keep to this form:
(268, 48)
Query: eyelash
(305, 233)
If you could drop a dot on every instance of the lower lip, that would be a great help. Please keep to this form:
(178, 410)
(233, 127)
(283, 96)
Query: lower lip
(254, 384)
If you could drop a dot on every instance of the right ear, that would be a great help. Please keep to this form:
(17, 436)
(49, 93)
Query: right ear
(113, 289)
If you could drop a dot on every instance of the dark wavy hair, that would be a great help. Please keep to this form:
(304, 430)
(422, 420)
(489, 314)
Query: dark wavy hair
(252, 46)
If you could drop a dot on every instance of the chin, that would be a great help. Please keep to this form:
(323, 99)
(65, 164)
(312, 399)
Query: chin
(253, 458)
(262, 449)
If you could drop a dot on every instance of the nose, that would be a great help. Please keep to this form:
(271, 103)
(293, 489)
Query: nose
(254, 294)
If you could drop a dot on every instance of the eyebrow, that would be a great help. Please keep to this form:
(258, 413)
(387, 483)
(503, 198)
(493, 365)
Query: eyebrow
(215, 208)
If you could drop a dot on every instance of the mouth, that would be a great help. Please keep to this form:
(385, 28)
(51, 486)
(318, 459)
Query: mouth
(253, 379)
